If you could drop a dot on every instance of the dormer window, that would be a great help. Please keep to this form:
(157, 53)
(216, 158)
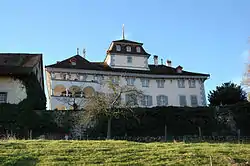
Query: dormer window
(179, 69)
(73, 61)
(118, 47)
(128, 48)
(138, 49)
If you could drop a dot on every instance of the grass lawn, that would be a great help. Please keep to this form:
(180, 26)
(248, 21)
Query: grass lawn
(39, 152)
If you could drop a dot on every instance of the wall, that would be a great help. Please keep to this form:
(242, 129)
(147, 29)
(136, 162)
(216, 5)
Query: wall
(16, 91)
(170, 89)
(138, 62)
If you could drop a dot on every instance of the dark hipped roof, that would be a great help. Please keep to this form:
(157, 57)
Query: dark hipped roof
(124, 43)
(127, 41)
(101, 66)
(18, 63)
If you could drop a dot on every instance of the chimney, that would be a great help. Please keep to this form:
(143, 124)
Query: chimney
(161, 61)
(155, 60)
(169, 63)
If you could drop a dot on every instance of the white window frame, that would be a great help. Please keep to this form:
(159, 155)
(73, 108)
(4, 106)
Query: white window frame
(192, 83)
(145, 82)
(138, 49)
(181, 83)
(160, 83)
(163, 100)
(129, 59)
(147, 100)
(118, 47)
(130, 81)
(3, 97)
(128, 48)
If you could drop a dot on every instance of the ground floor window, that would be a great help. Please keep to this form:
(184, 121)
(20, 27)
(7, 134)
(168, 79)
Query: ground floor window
(3, 97)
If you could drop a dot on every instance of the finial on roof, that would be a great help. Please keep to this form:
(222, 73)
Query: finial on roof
(77, 51)
(123, 35)
(84, 53)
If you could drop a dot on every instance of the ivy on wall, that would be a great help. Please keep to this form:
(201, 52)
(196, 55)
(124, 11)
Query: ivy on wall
(21, 117)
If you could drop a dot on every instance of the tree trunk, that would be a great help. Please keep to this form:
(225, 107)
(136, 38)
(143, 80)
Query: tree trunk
(166, 133)
(109, 128)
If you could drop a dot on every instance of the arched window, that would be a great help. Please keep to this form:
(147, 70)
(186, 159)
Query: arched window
(118, 47)
(128, 48)
(138, 49)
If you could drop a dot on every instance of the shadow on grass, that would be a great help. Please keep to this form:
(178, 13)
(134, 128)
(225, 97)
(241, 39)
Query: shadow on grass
(20, 161)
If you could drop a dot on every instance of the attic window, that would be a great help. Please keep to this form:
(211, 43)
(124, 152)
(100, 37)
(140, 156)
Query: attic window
(118, 47)
(179, 69)
(128, 48)
(73, 61)
(138, 49)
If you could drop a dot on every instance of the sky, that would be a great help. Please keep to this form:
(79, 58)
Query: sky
(208, 36)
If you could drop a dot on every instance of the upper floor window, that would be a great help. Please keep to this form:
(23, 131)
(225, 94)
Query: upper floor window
(98, 78)
(191, 83)
(162, 100)
(118, 47)
(147, 100)
(128, 48)
(160, 83)
(3, 97)
(130, 81)
(138, 49)
(115, 80)
(145, 82)
(129, 59)
(183, 100)
(181, 83)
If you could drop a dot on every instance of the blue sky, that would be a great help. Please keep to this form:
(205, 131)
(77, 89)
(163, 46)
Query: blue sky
(202, 36)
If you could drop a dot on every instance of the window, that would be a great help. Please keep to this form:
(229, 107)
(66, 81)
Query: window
(118, 47)
(147, 100)
(138, 49)
(160, 83)
(3, 97)
(145, 82)
(181, 83)
(191, 83)
(115, 79)
(98, 78)
(128, 48)
(131, 99)
(83, 77)
(129, 59)
(130, 81)
(194, 101)
(183, 101)
(162, 100)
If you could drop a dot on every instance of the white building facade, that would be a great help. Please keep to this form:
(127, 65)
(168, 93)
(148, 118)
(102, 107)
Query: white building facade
(126, 64)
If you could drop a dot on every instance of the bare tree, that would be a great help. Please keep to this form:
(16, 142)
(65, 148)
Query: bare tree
(111, 104)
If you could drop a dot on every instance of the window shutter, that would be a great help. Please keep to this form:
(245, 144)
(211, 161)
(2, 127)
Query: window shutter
(158, 100)
(165, 100)
(150, 102)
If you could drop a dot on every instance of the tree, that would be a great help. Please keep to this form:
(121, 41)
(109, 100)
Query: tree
(110, 105)
(226, 94)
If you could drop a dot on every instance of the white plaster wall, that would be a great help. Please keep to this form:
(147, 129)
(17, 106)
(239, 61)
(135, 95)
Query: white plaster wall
(138, 62)
(16, 91)
(170, 89)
